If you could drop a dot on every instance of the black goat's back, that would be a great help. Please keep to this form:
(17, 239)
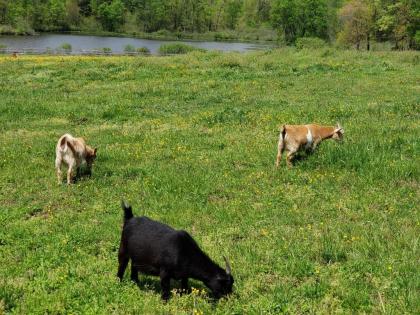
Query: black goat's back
(151, 245)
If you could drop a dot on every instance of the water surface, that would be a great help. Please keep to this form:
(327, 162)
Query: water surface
(82, 43)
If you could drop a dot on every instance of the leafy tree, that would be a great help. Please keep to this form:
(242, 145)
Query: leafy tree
(301, 18)
(400, 20)
(232, 13)
(111, 15)
(72, 13)
(357, 19)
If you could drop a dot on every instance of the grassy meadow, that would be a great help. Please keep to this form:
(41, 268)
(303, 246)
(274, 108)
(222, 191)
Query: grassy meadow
(191, 141)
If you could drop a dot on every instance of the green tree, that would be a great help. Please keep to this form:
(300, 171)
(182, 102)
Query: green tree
(232, 13)
(400, 20)
(111, 15)
(356, 17)
(300, 18)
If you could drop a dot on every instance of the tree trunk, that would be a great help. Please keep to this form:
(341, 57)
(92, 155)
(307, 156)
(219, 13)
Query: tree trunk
(368, 42)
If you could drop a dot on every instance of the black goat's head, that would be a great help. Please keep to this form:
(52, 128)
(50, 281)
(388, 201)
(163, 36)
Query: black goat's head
(222, 283)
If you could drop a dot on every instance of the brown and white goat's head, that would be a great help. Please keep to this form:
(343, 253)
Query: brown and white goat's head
(338, 133)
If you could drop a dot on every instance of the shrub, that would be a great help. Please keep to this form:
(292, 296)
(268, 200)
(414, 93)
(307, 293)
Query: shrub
(129, 48)
(7, 30)
(66, 47)
(177, 48)
(163, 33)
(106, 50)
(220, 36)
(310, 43)
(143, 50)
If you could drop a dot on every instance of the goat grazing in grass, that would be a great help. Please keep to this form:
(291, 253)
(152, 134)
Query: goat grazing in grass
(73, 152)
(157, 249)
(295, 137)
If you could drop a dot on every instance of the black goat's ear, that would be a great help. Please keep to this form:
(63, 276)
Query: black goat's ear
(228, 270)
(125, 205)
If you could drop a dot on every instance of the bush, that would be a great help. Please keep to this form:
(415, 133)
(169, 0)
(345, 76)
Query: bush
(310, 43)
(221, 36)
(129, 48)
(143, 50)
(177, 48)
(7, 30)
(106, 50)
(66, 47)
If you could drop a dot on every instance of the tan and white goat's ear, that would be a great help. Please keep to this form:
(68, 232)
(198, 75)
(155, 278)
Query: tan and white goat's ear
(338, 128)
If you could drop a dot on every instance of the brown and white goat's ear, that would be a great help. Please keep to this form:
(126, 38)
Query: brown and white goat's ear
(95, 150)
(338, 128)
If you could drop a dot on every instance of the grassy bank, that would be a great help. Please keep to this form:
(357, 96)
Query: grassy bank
(191, 140)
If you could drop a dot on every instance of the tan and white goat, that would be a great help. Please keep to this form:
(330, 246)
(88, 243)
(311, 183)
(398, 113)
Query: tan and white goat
(292, 138)
(73, 152)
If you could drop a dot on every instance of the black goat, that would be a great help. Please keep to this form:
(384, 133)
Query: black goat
(157, 249)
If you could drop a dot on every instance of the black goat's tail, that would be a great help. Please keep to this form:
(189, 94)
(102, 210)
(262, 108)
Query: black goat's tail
(128, 212)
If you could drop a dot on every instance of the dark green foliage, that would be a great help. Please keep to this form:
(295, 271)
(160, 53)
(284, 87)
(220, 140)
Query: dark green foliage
(111, 14)
(301, 18)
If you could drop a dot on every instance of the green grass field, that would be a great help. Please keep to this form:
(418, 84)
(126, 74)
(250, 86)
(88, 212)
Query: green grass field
(191, 141)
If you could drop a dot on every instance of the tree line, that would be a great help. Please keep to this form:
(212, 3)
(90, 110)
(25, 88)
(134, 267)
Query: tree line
(350, 22)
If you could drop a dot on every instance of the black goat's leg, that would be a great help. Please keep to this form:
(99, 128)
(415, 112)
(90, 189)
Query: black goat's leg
(122, 261)
(165, 283)
(184, 285)
(134, 273)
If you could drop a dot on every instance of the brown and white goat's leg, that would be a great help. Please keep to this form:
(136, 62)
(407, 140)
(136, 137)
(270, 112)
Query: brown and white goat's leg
(289, 158)
(279, 151)
(70, 174)
(58, 170)
(315, 144)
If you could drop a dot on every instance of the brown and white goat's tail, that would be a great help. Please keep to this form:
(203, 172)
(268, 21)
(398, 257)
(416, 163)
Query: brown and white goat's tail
(128, 211)
(65, 142)
(283, 131)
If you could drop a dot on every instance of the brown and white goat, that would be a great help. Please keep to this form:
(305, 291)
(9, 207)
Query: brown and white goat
(73, 152)
(292, 138)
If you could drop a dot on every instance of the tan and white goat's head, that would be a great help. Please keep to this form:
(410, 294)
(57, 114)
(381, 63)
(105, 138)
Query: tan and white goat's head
(338, 133)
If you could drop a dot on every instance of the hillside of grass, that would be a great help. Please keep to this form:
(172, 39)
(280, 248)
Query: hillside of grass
(191, 141)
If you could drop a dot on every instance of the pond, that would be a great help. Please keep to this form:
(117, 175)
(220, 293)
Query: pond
(81, 43)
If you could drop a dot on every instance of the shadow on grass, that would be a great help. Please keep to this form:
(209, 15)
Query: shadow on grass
(149, 283)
